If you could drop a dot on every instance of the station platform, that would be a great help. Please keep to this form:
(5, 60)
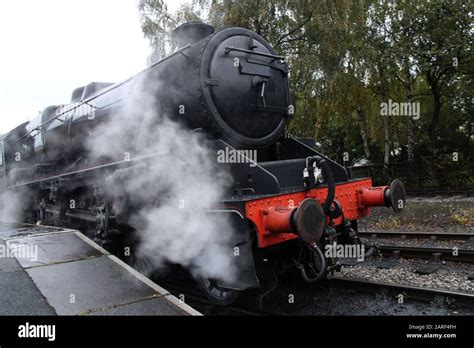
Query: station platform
(53, 271)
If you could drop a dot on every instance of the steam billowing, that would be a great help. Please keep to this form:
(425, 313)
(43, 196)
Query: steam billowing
(178, 185)
(10, 203)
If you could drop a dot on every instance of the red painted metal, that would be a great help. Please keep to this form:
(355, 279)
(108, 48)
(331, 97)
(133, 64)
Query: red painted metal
(278, 220)
(279, 206)
(372, 196)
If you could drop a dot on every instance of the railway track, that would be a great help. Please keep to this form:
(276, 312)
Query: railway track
(417, 235)
(387, 245)
(411, 296)
(414, 293)
(455, 254)
(208, 308)
(437, 192)
(398, 292)
(407, 291)
(197, 300)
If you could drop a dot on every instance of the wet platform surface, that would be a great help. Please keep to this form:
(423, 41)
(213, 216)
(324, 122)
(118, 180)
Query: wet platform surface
(54, 271)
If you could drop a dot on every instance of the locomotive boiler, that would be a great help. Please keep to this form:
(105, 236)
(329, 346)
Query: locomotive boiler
(287, 204)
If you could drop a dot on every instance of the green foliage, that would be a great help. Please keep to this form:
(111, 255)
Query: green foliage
(347, 57)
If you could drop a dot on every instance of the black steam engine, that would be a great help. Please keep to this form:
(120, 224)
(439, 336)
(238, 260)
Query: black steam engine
(287, 205)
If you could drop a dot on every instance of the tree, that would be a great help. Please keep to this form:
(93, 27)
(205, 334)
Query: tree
(347, 57)
(442, 44)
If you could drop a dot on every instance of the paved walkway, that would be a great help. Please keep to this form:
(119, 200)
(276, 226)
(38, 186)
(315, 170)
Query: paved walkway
(53, 271)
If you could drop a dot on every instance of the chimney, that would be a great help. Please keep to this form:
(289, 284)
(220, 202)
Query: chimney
(191, 32)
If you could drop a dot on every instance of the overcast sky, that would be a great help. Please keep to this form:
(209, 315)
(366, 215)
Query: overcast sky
(50, 47)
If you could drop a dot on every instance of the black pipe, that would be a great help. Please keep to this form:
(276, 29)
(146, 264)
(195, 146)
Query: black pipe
(321, 163)
(322, 271)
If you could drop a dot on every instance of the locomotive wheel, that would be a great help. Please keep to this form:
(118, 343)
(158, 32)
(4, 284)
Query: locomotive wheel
(217, 294)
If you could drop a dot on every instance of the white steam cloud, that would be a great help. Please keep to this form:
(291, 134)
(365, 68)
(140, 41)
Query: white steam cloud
(179, 186)
(11, 204)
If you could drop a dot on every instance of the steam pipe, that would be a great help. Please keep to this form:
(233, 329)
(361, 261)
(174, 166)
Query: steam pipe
(321, 163)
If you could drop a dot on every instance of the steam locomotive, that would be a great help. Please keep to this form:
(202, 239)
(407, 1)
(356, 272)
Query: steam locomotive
(287, 204)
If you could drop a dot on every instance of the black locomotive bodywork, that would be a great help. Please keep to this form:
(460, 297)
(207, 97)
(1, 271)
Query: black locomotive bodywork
(229, 84)
(234, 87)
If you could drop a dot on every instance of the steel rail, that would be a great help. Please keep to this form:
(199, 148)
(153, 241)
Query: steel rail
(408, 291)
(454, 254)
(417, 234)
